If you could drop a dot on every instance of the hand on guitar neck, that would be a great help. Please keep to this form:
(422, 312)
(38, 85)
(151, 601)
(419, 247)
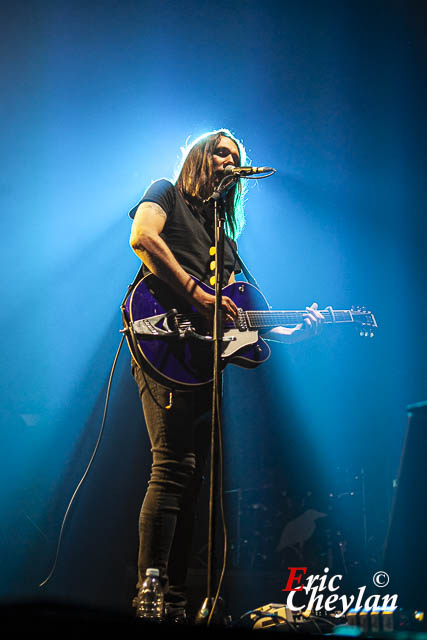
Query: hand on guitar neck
(311, 326)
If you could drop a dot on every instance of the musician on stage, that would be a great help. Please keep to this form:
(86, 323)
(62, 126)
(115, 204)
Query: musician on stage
(172, 233)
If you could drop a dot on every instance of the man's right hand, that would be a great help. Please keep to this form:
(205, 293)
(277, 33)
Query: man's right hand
(205, 304)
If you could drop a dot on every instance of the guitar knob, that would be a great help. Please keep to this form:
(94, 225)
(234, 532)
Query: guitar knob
(241, 288)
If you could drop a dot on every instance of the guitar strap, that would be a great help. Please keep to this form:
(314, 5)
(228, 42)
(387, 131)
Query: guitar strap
(248, 275)
(128, 330)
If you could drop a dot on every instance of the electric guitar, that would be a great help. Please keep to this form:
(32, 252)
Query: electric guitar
(174, 343)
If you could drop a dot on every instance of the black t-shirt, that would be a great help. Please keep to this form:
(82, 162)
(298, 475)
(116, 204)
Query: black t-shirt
(188, 233)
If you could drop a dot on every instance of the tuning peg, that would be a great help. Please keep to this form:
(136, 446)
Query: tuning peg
(365, 333)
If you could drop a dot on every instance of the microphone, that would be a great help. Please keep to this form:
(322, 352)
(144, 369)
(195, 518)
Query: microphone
(246, 171)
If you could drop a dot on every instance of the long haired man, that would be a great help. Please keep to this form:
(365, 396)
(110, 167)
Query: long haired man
(172, 233)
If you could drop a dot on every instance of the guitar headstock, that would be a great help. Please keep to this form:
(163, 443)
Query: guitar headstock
(365, 321)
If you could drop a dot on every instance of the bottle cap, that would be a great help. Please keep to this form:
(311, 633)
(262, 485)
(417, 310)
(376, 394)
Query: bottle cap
(152, 572)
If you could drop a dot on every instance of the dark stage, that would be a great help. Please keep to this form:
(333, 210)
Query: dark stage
(325, 442)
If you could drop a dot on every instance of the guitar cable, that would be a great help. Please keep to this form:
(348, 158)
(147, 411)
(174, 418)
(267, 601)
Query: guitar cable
(101, 431)
(126, 331)
(222, 510)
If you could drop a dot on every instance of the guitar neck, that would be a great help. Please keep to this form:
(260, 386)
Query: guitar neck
(263, 319)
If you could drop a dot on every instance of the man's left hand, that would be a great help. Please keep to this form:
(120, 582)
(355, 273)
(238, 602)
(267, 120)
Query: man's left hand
(313, 320)
(311, 326)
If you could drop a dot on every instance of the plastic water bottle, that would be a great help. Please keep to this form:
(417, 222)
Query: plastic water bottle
(150, 604)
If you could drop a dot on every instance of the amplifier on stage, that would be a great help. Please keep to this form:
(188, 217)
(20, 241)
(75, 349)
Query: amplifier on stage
(405, 554)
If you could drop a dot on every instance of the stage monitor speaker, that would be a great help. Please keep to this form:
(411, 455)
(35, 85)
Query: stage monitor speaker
(405, 552)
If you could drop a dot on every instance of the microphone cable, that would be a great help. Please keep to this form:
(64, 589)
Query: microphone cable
(222, 510)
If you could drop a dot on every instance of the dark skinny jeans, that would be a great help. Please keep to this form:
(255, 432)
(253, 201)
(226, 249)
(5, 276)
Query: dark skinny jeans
(180, 439)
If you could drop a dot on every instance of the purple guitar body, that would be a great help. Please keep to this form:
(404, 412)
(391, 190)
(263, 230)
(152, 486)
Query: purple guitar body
(174, 344)
(176, 349)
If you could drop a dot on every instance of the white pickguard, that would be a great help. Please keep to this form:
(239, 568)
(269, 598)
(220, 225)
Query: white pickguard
(242, 339)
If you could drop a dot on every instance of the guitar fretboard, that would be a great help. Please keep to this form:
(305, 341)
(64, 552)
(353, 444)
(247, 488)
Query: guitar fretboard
(259, 319)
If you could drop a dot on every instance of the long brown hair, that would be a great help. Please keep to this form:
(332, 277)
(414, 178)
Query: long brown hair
(196, 178)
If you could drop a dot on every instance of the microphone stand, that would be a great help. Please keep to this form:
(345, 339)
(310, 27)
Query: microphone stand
(207, 610)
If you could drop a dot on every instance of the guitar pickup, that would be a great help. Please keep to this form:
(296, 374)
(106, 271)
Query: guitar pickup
(190, 333)
(241, 322)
